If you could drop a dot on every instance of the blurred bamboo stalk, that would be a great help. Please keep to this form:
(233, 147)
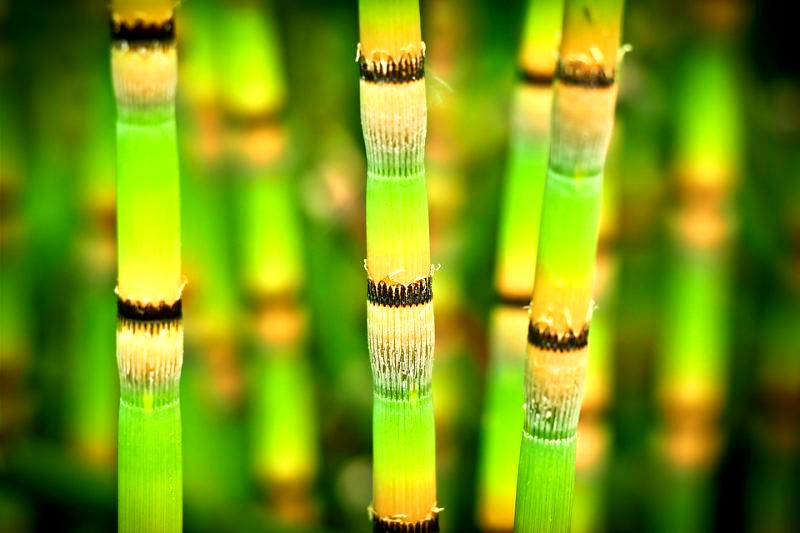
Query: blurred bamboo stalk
(694, 367)
(284, 420)
(516, 263)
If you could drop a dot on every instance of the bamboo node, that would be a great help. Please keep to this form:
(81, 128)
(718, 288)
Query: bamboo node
(583, 71)
(390, 293)
(141, 33)
(382, 67)
(548, 340)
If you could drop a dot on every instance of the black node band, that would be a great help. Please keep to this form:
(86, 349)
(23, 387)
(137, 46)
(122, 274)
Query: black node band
(407, 69)
(515, 301)
(583, 75)
(552, 342)
(381, 525)
(149, 312)
(141, 32)
(536, 79)
(396, 295)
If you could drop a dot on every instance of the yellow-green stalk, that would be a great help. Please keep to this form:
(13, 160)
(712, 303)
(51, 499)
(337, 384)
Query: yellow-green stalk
(149, 280)
(562, 303)
(693, 369)
(284, 428)
(516, 263)
(94, 384)
(593, 429)
(400, 327)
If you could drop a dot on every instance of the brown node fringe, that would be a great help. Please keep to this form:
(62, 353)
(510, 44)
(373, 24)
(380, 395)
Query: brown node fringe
(383, 68)
(142, 33)
(397, 295)
(388, 525)
(149, 312)
(513, 300)
(587, 75)
(538, 79)
(553, 342)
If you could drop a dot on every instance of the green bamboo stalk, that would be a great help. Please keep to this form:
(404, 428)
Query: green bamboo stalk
(399, 297)
(562, 303)
(284, 423)
(94, 383)
(149, 285)
(516, 263)
(693, 370)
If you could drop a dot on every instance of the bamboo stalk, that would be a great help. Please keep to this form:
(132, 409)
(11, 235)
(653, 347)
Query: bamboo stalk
(693, 370)
(400, 327)
(561, 307)
(284, 422)
(149, 285)
(516, 263)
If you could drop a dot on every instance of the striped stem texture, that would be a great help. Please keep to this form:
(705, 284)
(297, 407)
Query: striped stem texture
(399, 287)
(561, 307)
(149, 327)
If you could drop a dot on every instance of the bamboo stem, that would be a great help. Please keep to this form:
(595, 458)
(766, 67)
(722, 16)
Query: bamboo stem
(284, 418)
(399, 310)
(516, 263)
(561, 307)
(149, 327)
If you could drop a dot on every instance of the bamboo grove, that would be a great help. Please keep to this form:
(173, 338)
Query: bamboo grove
(219, 247)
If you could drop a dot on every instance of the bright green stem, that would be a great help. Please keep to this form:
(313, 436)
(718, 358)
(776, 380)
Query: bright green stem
(546, 482)
(284, 419)
(503, 417)
(268, 215)
(403, 447)
(150, 471)
(696, 348)
(569, 229)
(522, 203)
(148, 205)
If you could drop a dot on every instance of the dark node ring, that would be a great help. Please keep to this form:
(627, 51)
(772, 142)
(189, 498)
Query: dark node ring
(516, 301)
(536, 79)
(141, 32)
(407, 69)
(149, 312)
(416, 293)
(551, 342)
(381, 525)
(582, 75)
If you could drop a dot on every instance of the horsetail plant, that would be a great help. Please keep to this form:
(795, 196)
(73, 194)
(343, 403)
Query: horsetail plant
(693, 370)
(400, 327)
(516, 263)
(149, 283)
(561, 307)
(283, 424)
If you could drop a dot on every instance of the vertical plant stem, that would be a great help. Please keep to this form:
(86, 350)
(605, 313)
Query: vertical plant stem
(516, 263)
(149, 285)
(693, 370)
(283, 424)
(561, 307)
(400, 326)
